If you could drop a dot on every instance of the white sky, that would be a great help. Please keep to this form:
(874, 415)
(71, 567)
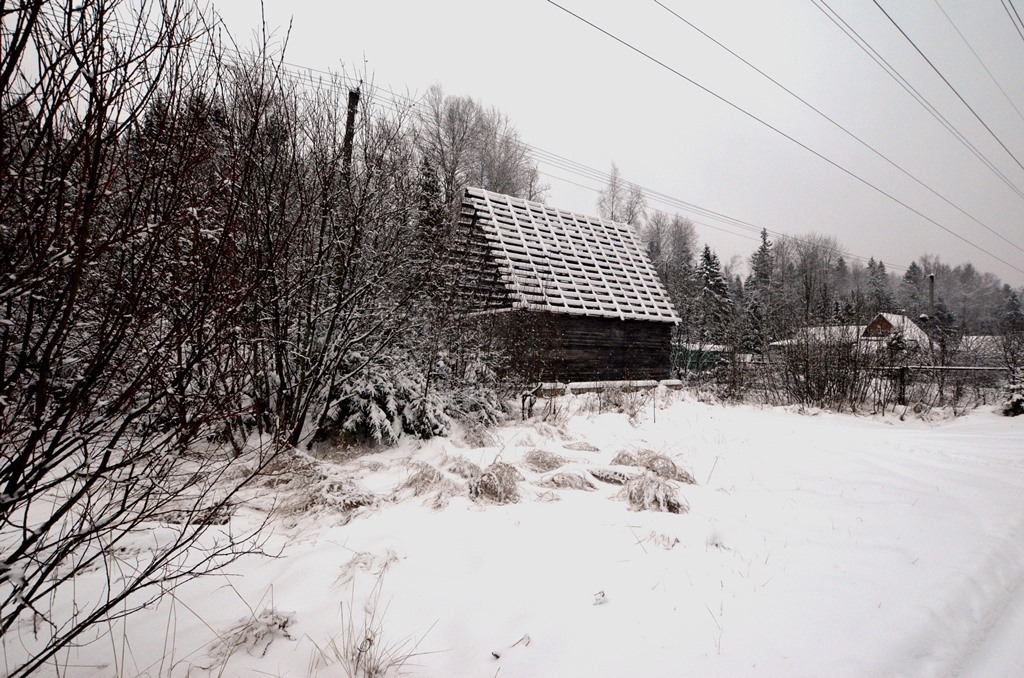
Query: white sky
(577, 93)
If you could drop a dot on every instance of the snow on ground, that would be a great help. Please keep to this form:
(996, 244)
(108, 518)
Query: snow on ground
(815, 545)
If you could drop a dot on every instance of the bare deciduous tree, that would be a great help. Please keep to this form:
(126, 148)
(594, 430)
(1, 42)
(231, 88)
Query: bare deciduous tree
(622, 201)
(468, 143)
(124, 295)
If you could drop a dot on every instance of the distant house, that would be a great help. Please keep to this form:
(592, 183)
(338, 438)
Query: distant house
(892, 325)
(575, 296)
(981, 351)
(883, 328)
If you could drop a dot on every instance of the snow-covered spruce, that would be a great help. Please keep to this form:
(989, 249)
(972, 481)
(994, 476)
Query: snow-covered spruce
(1013, 394)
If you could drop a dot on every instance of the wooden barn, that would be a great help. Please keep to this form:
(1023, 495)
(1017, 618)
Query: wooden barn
(888, 325)
(575, 297)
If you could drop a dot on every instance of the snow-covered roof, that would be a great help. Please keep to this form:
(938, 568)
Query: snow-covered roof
(563, 262)
(824, 334)
(906, 326)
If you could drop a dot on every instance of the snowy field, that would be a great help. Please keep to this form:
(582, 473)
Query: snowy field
(814, 544)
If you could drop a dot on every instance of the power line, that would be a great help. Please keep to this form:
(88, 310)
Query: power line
(841, 127)
(401, 104)
(784, 134)
(850, 32)
(390, 101)
(1015, 19)
(977, 57)
(653, 209)
(948, 84)
(656, 196)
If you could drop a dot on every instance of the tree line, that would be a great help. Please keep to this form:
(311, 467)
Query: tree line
(811, 280)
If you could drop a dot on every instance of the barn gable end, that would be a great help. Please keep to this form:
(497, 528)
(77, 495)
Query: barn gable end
(887, 324)
(578, 293)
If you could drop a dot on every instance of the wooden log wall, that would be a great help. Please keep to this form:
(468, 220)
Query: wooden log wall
(561, 347)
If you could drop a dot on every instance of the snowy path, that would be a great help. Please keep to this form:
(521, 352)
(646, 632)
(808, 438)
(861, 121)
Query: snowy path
(815, 545)
(1000, 653)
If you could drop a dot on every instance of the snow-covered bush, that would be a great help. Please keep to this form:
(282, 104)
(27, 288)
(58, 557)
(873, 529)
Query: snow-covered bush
(542, 461)
(383, 402)
(1013, 392)
(659, 464)
(498, 483)
(650, 492)
(476, 396)
(628, 400)
(335, 493)
(423, 479)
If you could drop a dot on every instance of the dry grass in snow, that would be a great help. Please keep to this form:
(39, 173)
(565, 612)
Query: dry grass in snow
(498, 484)
(651, 492)
(659, 464)
(825, 545)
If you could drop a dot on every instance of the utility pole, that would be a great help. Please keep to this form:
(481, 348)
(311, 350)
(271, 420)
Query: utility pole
(931, 295)
(350, 133)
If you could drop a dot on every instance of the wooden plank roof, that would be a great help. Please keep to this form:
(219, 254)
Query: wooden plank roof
(553, 260)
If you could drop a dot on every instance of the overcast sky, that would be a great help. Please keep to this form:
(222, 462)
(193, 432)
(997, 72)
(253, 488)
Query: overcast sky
(577, 93)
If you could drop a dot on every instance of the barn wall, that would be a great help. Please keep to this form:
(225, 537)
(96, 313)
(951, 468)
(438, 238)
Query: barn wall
(556, 347)
(879, 327)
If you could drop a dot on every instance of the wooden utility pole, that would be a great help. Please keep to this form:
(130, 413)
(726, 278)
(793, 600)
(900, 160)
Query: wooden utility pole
(931, 295)
(350, 133)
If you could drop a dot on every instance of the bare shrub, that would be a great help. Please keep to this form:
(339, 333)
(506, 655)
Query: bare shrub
(291, 468)
(835, 374)
(556, 412)
(124, 388)
(650, 492)
(362, 649)
(498, 484)
(212, 515)
(626, 399)
(476, 434)
(253, 634)
(543, 462)
(568, 480)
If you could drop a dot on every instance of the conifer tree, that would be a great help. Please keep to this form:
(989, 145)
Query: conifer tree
(1012, 320)
(714, 304)
(758, 330)
(910, 289)
(879, 292)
